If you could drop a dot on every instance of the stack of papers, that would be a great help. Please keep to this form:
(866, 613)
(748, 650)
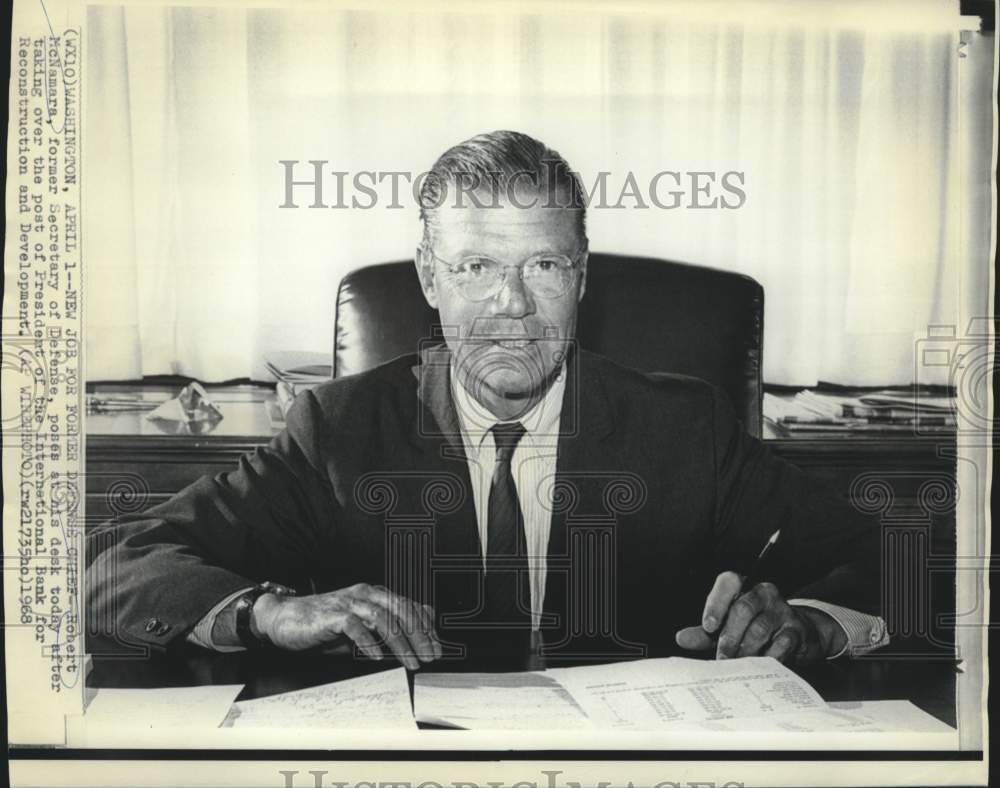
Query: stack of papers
(752, 695)
(299, 366)
(297, 371)
(877, 411)
(674, 694)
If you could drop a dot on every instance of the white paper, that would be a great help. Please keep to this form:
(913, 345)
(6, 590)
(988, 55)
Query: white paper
(190, 707)
(893, 715)
(379, 700)
(485, 701)
(889, 716)
(752, 695)
(653, 694)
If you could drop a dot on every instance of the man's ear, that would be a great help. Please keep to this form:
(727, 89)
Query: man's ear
(425, 272)
(583, 276)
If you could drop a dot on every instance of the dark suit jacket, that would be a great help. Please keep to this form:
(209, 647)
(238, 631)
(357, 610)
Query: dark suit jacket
(659, 489)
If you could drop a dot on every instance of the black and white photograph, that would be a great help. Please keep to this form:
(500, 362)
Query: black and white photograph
(543, 394)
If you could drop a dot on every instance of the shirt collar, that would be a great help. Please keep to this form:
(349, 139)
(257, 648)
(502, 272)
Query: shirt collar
(541, 422)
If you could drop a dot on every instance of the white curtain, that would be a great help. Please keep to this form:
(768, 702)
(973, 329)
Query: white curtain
(847, 121)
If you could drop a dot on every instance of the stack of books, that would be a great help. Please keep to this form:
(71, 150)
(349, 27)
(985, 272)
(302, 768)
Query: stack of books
(870, 411)
(296, 371)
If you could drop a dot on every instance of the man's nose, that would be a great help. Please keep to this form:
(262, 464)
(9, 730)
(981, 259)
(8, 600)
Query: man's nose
(514, 299)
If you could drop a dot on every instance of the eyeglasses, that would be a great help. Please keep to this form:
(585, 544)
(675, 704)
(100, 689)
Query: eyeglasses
(479, 278)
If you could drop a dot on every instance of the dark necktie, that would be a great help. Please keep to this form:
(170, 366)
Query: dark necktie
(508, 595)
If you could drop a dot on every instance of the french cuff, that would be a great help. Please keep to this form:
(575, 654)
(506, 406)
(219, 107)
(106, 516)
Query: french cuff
(865, 633)
(201, 635)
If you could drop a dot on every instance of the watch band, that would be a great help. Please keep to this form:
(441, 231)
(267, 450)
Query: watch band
(244, 610)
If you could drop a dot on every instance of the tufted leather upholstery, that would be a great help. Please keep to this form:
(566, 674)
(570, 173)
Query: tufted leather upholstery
(654, 315)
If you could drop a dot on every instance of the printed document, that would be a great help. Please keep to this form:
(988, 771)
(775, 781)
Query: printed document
(650, 694)
(496, 701)
(756, 694)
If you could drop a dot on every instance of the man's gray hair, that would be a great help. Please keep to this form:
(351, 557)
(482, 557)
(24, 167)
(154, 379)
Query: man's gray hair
(501, 163)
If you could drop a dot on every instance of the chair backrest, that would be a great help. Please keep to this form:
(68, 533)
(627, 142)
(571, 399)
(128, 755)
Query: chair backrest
(650, 314)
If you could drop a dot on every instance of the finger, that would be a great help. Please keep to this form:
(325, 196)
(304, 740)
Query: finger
(809, 648)
(785, 643)
(416, 623)
(808, 652)
(394, 636)
(429, 617)
(727, 587)
(744, 610)
(383, 597)
(365, 611)
(356, 630)
(759, 633)
(418, 626)
(343, 647)
(394, 617)
(415, 626)
(694, 639)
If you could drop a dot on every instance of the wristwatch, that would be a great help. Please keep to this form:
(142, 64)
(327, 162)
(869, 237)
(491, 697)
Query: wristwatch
(244, 610)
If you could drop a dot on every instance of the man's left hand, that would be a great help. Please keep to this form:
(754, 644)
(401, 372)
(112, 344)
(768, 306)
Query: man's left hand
(760, 622)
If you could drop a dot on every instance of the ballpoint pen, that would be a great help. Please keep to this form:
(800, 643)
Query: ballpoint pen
(754, 576)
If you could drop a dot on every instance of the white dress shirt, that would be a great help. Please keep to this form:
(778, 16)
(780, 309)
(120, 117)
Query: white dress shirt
(533, 467)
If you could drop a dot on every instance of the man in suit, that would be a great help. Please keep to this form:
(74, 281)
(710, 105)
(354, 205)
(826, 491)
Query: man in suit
(505, 492)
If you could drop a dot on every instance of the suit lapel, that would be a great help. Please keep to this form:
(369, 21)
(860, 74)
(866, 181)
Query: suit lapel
(436, 420)
(436, 434)
(586, 429)
(583, 539)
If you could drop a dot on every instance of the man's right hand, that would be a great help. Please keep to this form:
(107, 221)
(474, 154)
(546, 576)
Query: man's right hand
(363, 615)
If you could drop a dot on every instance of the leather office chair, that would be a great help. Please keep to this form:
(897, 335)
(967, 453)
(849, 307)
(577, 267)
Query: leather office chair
(654, 315)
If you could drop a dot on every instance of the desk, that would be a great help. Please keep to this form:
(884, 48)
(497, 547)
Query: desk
(929, 684)
(132, 460)
(907, 482)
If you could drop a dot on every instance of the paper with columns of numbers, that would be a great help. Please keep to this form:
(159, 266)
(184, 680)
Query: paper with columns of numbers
(647, 694)
(378, 700)
(652, 694)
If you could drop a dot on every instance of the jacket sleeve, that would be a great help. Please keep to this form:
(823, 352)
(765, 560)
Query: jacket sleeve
(827, 549)
(152, 576)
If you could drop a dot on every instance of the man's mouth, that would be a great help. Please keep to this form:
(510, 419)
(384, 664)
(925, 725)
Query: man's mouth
(513, 343)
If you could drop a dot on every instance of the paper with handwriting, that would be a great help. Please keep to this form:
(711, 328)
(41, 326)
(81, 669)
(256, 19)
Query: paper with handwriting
(378, 700)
